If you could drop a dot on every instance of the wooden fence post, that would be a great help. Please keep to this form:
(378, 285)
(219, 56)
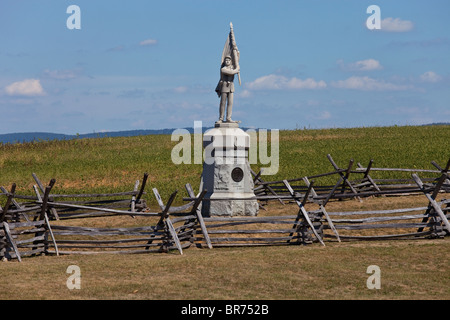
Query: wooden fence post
(443, 170)
(41, 187)
(368, 177)
(308, 191)
(303, 212)
(199, 214)
(344, 177)
(164, 221)
(322, 209)
(43, 214)
(45, 199)
(432, 197)
(47, 222)
(258, 179)
(11, 240)
(141, 191)
(15, 203)
(331, 193)
(347, 174)
(173, 233)
(8, 202)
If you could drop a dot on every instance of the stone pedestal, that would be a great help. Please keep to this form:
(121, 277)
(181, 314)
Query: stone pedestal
(226, 172)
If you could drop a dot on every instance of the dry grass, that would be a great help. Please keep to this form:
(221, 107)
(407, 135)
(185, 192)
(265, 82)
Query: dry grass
(410, 269)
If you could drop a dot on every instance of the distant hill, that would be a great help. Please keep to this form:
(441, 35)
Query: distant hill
(438, 124)
(23, 137)
(30, 136)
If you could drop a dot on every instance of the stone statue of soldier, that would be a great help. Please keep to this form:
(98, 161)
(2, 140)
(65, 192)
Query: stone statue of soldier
(225, 89)
(226, 175)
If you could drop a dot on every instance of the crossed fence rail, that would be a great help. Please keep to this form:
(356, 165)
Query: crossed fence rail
(29, 225)
(363, 185)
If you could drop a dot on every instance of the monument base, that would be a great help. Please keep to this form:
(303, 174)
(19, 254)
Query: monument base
(226, 124)
(226, 173)
(230, 208)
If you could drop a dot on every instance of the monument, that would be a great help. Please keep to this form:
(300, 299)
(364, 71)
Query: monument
(226, 172)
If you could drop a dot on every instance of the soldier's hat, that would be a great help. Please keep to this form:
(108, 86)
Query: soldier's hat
(227, 57)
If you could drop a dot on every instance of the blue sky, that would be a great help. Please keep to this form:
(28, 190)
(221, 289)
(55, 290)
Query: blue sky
(155, 64)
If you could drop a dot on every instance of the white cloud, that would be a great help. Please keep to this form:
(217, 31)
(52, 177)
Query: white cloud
(27, 87)
(61, 74)
(396, 25)
(148, 42)
(278, 82)
(363, 65)
(181, 89)
(368, 84)
(430, 76)
(245, 94)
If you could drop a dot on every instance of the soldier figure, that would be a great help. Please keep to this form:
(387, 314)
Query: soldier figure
(225, 88)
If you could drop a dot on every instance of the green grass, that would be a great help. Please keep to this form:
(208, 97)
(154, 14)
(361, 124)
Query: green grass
(303, 152)
(114, 164)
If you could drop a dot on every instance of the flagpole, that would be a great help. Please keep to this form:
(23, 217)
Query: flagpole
(235, 54)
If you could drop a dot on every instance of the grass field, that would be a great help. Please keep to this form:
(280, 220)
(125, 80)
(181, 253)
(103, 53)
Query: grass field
(114, 164)
(409, 269)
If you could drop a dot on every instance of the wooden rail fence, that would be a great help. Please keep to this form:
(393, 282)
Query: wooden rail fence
(363, 185)
(34, 225)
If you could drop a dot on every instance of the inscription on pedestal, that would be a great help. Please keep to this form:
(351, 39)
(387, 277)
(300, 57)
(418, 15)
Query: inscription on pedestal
(226, 174)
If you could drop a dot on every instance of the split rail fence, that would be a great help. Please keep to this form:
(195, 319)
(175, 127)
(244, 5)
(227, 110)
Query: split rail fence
(361, 186)
(41, 224)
